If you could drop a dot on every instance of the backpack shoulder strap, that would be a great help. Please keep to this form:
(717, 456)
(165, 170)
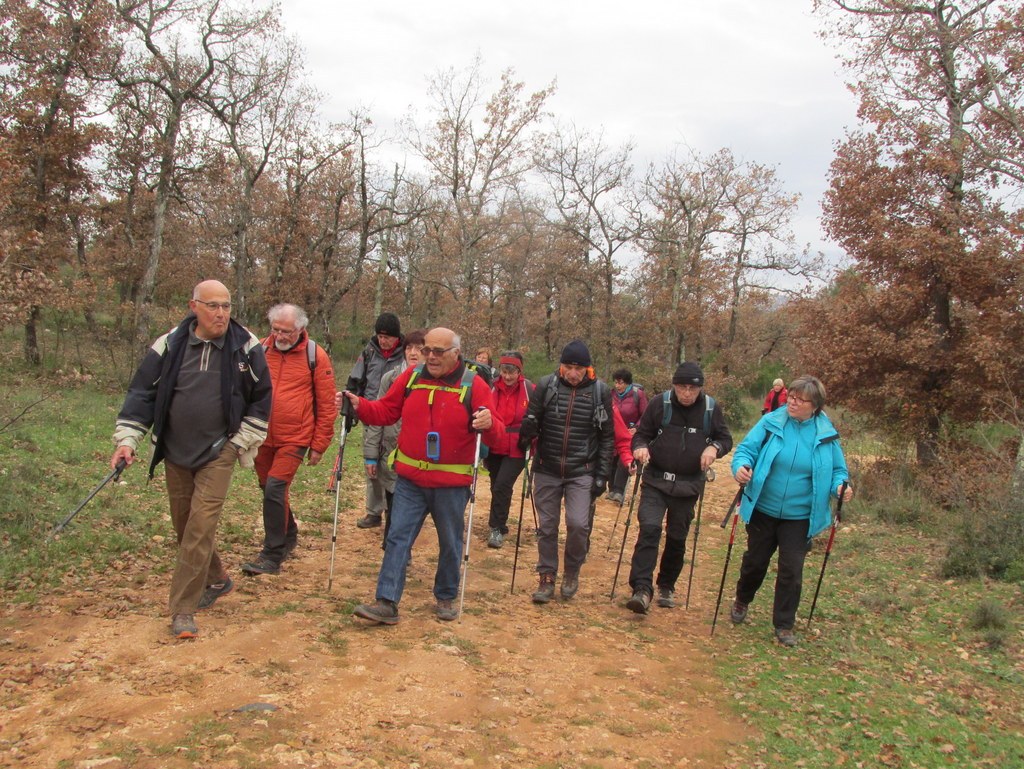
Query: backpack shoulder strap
(666, 408)
(709, 407)
(311, 354)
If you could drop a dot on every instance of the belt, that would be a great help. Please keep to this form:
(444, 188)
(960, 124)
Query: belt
(423, 464)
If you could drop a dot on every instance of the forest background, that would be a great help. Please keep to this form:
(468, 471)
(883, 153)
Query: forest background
(147, 145)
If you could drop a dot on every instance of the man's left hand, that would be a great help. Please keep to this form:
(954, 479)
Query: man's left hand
(313, 457)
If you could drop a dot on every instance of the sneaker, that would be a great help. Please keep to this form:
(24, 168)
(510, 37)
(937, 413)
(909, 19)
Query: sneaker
(496, 539)
(212, 592)
(369, 521)
(738, 612)
(640, 602)
(184, 626)
(666, 598)
(262, 565)
(570, 584)
(382, 611)
(446, 610)
(785, 636)
(546, 590)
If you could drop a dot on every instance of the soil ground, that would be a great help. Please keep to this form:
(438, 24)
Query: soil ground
(283, 676)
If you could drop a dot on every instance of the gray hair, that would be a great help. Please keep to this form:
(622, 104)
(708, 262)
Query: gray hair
(811, 388)
(299, 315)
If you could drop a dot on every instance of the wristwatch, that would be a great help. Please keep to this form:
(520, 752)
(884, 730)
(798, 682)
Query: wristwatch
(718, 447)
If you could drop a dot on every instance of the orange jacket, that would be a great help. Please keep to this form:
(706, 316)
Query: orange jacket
(291, 414)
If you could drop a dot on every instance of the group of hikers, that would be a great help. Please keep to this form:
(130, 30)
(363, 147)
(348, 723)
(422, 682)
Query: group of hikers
(213, 394)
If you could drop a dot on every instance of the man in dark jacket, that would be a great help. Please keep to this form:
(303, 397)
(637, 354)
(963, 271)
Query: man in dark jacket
(384, 352)
(570, 414)
(677, 453)
(205, 391)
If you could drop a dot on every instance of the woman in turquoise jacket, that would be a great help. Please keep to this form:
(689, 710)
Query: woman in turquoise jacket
(791, 465)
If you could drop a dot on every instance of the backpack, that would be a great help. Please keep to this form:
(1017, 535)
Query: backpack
(464, 388)
(666, 413)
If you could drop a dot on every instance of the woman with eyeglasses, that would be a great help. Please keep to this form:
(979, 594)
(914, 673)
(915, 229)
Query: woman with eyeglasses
(792, 466)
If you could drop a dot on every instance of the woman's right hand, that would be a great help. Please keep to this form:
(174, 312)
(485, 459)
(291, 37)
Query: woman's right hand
(743, 475)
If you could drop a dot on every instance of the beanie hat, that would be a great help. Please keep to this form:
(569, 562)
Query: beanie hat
(688, 373)
(387, 323)
(511, 358)
(576, 352)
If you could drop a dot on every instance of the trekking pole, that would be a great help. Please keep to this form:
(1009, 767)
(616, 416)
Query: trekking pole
(828, 548)
(522, 509)
(113, 475)
(728, 552)
(625, 531)
(709, 475)
(339, 468)
(469, 524)
(618, 513)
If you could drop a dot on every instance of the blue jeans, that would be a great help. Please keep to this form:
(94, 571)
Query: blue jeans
(412, 504)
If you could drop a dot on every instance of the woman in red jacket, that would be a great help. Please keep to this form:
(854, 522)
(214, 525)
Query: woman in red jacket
(505, 461)
(776, 397)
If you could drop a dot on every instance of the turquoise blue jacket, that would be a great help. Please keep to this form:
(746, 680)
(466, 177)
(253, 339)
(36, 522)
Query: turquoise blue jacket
(762, 444)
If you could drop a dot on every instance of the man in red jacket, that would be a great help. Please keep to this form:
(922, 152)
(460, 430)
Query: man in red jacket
(301, 426)
(442, 406)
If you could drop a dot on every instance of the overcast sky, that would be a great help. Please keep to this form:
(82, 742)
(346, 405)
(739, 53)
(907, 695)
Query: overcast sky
(750, 75)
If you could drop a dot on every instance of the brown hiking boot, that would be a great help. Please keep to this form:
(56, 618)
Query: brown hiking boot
(383, 612)
(546, 590)
(570, 584)
(640, 601)
(785, 636)
(738, 612)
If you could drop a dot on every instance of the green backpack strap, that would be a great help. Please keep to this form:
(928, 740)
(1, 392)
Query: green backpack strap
(666, 414)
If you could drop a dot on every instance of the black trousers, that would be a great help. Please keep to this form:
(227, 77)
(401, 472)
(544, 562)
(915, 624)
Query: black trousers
(678, 513)
(765, 535)
(504, 472)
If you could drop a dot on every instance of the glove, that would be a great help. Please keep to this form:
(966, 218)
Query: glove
(599, 486)
(524, 444)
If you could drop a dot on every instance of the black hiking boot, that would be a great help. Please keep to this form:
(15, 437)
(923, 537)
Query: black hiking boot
(640, 602)
(545, 590)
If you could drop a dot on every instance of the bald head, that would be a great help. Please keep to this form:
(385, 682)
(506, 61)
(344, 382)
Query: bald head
(211, 304)
(446, 340)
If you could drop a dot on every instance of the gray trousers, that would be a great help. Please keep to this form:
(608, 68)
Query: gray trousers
(548, 493)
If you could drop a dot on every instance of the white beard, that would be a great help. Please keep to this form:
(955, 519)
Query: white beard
(284, 346)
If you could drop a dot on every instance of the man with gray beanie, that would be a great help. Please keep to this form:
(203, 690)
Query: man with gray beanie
(680, 435)
(384, 352)
(570, 414)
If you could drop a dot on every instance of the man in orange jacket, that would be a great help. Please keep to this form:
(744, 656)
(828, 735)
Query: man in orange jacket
(301, 426)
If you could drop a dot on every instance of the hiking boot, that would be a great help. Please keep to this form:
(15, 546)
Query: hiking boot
(369, 521)
(785, 636)
(183, 626)
(212, 592)
(496, 539)
(570, 584)
(382, 611)
(614, 496)
(666, 598)
(262, 565)
(738, 612)
(289, 547)
(446, 609)
(546, 590)
(640, 602)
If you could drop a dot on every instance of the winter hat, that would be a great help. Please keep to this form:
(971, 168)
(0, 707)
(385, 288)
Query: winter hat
(511, 358)
(387, 323)
(576, 352)
(688, 373)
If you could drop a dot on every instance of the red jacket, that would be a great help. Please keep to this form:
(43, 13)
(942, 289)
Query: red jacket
(623, 437)
(782, 398)
(291, 412)
(510, 404)
(446, 416)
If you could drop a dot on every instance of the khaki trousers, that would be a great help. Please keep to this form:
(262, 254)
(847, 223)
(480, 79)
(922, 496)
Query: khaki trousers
(197, 498)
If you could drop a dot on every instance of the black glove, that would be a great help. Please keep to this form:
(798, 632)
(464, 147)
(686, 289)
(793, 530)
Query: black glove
(599, 486)
(524, 444)
(527, 432)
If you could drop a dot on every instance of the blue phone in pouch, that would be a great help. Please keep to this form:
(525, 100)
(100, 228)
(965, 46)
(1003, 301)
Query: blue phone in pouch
(433, 445)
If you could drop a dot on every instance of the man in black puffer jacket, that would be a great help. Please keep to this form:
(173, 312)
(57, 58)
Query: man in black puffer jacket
(570, 415)
(676, 453)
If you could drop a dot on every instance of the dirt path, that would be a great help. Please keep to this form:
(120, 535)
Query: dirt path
(91, 677)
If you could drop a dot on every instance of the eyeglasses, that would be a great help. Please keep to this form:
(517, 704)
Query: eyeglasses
(284, 331)
(437, 351)
(215, 305)
(798, 400)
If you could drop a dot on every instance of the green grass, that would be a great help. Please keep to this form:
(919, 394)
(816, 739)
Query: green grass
(892, 672)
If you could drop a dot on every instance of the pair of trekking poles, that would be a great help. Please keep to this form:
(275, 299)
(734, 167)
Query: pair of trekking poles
(734, 513)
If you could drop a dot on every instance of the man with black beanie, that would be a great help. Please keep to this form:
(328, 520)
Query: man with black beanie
(570, 414)
(385, 351)
(677, 449)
